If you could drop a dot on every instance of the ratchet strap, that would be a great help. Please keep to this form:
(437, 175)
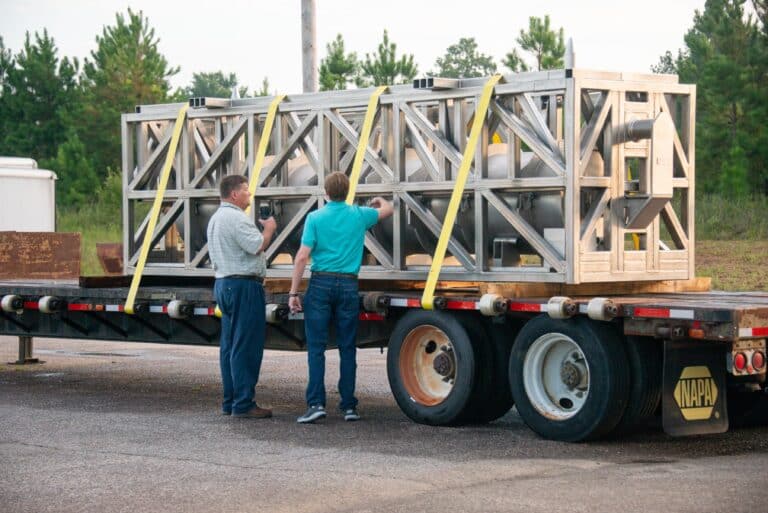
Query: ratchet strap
(155, 213)
(458, 189)
(362, 144)
(263, 143)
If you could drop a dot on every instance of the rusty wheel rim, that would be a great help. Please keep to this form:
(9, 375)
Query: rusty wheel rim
(427, 365)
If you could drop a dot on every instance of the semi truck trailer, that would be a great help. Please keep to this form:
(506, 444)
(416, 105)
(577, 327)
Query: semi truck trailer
(541, 253)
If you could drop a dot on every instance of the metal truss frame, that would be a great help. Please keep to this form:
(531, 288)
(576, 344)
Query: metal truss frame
(564, 117)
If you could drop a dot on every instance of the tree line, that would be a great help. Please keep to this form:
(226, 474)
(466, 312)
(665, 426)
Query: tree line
(726, 56)
(66, 114)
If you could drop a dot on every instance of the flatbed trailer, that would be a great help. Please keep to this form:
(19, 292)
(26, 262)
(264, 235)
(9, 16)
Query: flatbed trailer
(558, 205)
(576, 367)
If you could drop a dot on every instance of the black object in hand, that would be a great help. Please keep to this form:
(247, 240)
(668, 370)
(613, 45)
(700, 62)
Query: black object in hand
(265, 212)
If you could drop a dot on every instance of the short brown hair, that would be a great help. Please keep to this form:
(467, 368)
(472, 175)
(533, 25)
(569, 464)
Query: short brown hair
(230, 183)
(337, 186)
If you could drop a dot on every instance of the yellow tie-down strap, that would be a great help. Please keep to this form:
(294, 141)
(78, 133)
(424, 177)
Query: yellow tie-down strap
(458, 189)
(263, 143)
(362, 144)
(155, 213)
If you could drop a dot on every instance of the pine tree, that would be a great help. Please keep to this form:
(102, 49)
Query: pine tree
(724, 56)
(463, 60)
(546, 46)
(215, 84)
(38, 89)
(77, 181)
(339, 69)
(384, 68)
(125, 70)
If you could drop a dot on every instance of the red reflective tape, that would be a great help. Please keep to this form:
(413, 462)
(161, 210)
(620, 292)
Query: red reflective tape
(79, 307)
(211, 311)
(525, 307)
(413, 303)
(461, 305)
(371, 316)
(760, 332)
(661, 313)
(31, 305)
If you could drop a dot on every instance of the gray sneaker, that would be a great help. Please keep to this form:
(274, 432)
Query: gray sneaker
(351, 415)
(313, 413)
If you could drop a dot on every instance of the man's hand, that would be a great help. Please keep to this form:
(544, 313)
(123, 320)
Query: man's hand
(384, 207)
(269, 224)
(295, 304)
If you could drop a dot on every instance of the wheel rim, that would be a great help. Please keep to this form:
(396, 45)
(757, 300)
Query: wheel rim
(556, 376)
(427, 365)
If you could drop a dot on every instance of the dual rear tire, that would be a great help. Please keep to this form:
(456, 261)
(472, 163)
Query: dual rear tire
(443, 369)
(569, 378)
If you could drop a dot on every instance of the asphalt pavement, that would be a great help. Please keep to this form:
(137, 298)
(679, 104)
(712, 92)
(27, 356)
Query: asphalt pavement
(108, 426)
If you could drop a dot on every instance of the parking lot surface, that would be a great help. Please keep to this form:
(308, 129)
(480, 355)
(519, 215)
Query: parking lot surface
(107, 426)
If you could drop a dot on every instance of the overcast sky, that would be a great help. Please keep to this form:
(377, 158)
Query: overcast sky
(255, 38)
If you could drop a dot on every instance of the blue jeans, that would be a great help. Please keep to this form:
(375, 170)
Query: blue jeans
(331, 300)
(243, 330)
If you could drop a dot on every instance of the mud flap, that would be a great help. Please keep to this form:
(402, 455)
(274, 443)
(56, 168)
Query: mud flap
(694, 394)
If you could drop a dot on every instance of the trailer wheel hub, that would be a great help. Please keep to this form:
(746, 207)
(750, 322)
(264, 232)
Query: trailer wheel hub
(443, 364)
(427, 365)
(570, 375)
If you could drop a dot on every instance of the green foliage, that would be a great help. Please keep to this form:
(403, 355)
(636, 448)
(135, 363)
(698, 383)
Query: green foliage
(6, 62)
(215, 85)
(339, 69)
(722, 218)
(667, 64)
(463, 60)
(545, 45)
(734, 176)
(37, 91)
(384, 68)
(77, 179)
(98, 220)
(125, 70)
(726, 56)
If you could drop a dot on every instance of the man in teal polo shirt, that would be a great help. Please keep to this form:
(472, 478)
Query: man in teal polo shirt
(334, 237)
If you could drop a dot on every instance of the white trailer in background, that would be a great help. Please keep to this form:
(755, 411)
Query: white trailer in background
(27, 196)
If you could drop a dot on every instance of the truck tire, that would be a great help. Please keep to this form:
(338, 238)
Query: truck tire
(569, 378)
(646, 360)
(498, 401)
(481, 406)
(432, 368)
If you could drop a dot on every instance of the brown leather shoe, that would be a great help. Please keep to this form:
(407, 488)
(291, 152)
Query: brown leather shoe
(254, 413)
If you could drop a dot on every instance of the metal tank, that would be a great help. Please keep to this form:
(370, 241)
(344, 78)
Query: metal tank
(540, 209)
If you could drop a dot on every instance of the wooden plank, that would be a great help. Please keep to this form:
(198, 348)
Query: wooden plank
(39, 255)
(518, 290)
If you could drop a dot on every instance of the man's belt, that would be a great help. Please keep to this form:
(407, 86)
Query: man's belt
(246, 277)
(334, 275)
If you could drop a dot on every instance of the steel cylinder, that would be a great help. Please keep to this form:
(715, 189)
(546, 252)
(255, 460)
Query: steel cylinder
(539, 209)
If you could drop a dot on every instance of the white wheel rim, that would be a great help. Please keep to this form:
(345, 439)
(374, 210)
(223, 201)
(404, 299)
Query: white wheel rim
(556, 376)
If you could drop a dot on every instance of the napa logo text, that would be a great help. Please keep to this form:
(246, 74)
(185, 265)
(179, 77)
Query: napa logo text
(696, 393)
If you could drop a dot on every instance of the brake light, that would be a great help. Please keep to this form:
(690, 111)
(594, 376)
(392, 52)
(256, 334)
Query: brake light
(758, 360)
(740, 362)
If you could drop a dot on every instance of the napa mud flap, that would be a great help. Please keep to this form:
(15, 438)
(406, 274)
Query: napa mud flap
(693, 398)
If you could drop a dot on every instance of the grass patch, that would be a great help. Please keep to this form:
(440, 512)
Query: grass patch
(720, 218)
(96, 223)
(734, 265)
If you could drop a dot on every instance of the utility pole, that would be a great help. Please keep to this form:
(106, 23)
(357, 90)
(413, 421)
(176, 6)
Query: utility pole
(308, 45)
